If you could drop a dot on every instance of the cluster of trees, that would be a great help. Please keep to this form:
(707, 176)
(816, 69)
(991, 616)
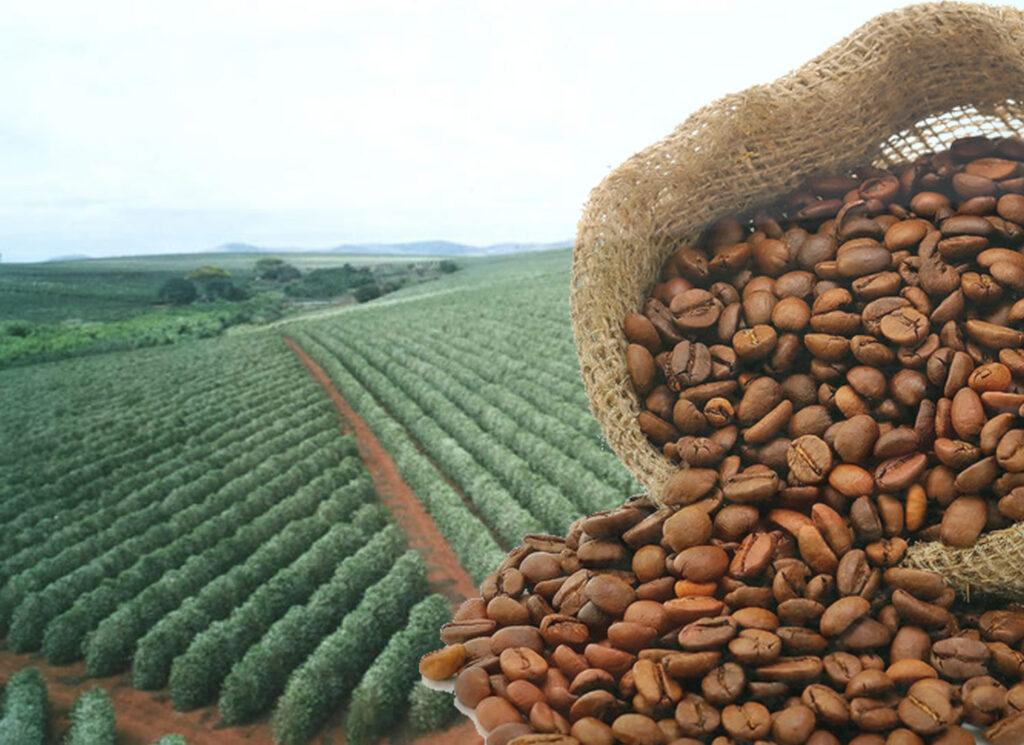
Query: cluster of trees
(205, 283)
(209, 283)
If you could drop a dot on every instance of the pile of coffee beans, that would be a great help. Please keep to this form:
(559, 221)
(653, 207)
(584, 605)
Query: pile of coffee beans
(685, 625)
(861, 341)
(838, 376)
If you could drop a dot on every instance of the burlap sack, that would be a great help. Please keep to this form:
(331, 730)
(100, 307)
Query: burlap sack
(906, 82)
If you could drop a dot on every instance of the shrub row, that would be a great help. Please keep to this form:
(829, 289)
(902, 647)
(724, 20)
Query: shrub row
(84, 476)
(92, 720)
(320, 686)
(430, 709)
(573, 459)
(259, 677)
(109, 648)
(171, 635)
(32, 615)
(26, 709)
(543, 502)
(64, 634)
(510, 421)
(48, 537)
(196, 675)
(68, 458)
(213, 490)
(508, 519)
(386, 685)
(471, 540)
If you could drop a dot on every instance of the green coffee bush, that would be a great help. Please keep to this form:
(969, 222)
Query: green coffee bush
(196, 675)
(26, 709)
(258, 679)
(385, 687)
(430, 709)
(320, 686)
(92, 720)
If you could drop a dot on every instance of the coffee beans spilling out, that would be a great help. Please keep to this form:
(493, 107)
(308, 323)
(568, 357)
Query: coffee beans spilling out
(836, 377)
(858, 346)
(695, 624)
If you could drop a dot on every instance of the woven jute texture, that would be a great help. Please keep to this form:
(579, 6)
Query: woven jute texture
(905, 83)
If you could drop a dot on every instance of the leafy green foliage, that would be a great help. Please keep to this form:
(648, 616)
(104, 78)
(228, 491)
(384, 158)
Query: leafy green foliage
(430, 709)
(109, 648)
(196, 676)
(171, 635)
(26, 709)
(92, 720)
(275, 270)
(177, 291)
(367, 292)
(329, 674)
(259, 677)
(172, 739)
(385, 687)
(327, 283)
(208, 272)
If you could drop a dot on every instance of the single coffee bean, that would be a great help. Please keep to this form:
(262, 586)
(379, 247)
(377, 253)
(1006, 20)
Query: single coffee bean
(756, 343)
(928, 707)
(809, 459)
(690, 526)
(960, 657)
(963, 521)
(750, 721)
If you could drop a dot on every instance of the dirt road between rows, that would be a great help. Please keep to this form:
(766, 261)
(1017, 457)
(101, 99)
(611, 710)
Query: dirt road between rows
(444, 572)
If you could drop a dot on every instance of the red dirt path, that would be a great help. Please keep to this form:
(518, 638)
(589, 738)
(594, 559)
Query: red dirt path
(444, 573)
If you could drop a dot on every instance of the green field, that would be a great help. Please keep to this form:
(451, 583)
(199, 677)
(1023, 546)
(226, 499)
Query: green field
(194, 514)
(55, 310)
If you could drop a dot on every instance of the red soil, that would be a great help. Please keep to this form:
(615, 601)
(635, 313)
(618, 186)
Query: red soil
(142, 716)
(445, 574)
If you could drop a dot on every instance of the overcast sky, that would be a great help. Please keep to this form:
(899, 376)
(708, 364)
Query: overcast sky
(129, 128)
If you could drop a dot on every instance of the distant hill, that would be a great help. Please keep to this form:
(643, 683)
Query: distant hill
(70, 257)
(415, 248)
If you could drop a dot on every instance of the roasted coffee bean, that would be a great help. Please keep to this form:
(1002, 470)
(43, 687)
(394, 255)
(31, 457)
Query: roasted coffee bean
(830, 707)
(963, 521)
(929, 707)
(750, 721)
(960, 657)
(690, 526)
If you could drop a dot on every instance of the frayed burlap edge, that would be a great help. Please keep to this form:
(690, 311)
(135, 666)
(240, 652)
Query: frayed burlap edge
(906, 82)
(992, 567)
